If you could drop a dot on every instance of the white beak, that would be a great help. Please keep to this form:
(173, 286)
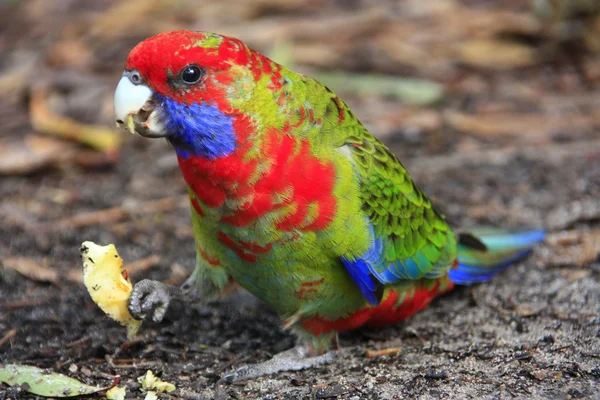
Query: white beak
(134, 110)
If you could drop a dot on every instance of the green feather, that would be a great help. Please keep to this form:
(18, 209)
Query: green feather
(431, 252)
(390, 253)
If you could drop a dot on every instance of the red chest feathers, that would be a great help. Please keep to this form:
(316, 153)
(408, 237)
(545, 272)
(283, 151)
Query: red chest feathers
(283, 173)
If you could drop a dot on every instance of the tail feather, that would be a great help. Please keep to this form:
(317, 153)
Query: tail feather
(503, 248)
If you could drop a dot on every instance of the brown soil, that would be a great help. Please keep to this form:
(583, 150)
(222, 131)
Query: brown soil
(509, 146)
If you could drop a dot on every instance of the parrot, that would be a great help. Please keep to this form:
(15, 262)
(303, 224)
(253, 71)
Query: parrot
(293, 199)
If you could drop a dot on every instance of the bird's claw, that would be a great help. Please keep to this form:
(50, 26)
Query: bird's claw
(150, 300)
(237, 375)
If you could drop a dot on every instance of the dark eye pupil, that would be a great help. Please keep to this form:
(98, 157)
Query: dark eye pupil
(191, 74)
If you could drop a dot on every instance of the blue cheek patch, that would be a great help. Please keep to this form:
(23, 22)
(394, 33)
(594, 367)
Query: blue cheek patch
(198, 129)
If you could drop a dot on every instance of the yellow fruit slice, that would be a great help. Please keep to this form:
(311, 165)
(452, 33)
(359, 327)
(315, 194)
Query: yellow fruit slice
(151, 382)
(116, 393)
(108, 283)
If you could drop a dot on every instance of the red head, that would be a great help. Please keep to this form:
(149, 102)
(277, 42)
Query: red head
(183, 85)
(161, 60)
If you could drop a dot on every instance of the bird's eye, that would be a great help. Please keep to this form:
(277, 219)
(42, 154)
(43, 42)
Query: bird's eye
(135, 78)
(191, 74)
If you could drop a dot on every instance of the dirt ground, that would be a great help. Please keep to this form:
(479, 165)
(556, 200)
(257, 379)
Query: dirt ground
(503, 130)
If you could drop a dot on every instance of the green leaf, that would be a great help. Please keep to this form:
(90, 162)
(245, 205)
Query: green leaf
(45, 384)
(408, 90)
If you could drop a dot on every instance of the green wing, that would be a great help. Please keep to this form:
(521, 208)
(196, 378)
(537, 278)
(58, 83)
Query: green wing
(411, 239)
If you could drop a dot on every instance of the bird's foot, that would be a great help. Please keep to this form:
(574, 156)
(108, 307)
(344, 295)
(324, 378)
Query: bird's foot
(150, 299)
(294, 359)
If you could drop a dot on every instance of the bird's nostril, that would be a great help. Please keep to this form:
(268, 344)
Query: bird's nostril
(119, 121)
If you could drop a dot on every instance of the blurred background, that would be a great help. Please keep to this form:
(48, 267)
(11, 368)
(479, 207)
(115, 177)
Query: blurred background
(416, 72)
(493, 106)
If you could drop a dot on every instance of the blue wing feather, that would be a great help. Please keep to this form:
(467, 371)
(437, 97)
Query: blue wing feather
(371, 269)
(503, 249)
(359, 271)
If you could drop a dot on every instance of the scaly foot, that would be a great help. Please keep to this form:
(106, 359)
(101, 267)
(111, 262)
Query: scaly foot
(150, 299)
(294, 359)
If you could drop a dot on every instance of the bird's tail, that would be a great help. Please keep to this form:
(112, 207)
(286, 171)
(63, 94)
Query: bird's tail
(482, 253)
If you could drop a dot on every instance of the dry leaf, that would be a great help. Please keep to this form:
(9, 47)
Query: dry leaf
(496, 54)
(407, 90)
(22, 157)
(564, 216)
(32, 269)
(581, 248)
(534, 128)
(576, 275)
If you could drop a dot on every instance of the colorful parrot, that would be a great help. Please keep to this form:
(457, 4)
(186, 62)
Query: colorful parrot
(292, 198)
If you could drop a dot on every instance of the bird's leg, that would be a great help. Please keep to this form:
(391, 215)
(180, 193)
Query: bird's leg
(311, 353)
(151, 299)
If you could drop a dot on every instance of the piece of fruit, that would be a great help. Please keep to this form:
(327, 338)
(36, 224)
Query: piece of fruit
(149, 381)
(116, 393)
(108, 283)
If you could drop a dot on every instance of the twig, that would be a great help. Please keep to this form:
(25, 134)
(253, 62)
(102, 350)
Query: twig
(382, 352)
(115, 214)
(108, 215)
(47, 121)
(142, 264)
(552, 153)
(31, 269)
(7, 337)
(78, 342)
(128, 363)
(14, 305)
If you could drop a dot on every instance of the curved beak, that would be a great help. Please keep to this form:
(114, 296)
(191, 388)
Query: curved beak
(135, 109)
